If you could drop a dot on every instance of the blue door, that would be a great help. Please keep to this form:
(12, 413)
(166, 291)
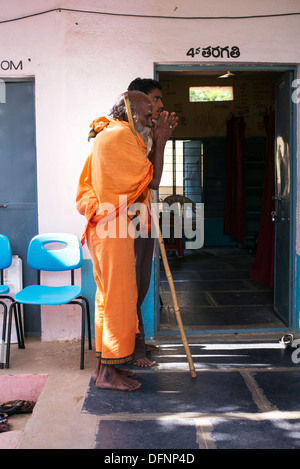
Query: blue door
(18, 185)
(283, 215)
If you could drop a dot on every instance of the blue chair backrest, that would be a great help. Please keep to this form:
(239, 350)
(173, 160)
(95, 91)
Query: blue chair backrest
(5, 252)
(54, 252)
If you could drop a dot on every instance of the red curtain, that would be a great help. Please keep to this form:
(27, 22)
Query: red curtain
(263, 269)
(235, 202)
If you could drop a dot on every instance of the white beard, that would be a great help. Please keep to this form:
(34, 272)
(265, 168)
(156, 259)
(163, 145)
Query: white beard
(146, 136)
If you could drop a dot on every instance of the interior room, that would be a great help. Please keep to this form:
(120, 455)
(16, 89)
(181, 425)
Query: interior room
(222, 155)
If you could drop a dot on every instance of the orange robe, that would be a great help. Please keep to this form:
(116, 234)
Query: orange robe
(116, 167)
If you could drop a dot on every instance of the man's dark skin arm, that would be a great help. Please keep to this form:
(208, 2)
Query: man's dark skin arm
(162, 131)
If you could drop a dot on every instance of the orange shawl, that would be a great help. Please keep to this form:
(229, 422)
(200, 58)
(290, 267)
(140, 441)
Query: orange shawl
(117, 166)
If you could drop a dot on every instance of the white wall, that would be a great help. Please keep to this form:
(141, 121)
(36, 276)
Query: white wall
(82, 61)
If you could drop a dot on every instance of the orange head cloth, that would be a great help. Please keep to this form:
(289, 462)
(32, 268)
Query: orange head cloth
(97, 125)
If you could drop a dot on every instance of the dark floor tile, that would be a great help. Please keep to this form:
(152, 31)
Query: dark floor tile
(235, 298)
(282, 388)
(146, 434)
(223, 275)
(221, 316)
(186, 299)
(217, 356)
(205, 285)
(173, 392)
(177, 275)
(243, 298)
(250, 434)
(196, 266)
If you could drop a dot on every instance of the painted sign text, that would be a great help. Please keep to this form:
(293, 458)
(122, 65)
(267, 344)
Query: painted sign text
(11, 65)
(216, 52)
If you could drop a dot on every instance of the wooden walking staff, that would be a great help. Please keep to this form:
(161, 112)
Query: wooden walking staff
(165, 261)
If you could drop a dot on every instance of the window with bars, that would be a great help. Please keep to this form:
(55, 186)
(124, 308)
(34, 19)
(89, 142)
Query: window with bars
(183, 169)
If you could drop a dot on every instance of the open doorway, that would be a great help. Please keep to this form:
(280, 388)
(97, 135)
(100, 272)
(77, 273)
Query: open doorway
(224, 286)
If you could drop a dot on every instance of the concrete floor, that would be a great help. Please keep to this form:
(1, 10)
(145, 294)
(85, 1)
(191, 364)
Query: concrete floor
(57, 421)
(246, 395)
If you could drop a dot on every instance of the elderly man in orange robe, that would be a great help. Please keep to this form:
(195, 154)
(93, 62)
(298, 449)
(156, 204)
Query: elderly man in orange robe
(115, 175)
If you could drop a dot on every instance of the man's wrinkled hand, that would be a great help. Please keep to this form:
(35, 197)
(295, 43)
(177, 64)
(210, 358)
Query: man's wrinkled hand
(163, 128)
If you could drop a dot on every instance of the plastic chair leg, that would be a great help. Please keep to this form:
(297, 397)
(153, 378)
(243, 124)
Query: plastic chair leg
(18, 321)
(22, 343)
(15, 308)
(19, 326)
(12, 306)
(87, 309)
(82, 331)
(2, 345)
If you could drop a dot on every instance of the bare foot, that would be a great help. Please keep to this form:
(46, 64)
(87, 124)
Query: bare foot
(110, 378)
(122, 371)
(144, 362)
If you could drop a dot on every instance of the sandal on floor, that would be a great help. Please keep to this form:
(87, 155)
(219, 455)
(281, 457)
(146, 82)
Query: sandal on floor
(3, 418)
(17, 407)
(4, 426)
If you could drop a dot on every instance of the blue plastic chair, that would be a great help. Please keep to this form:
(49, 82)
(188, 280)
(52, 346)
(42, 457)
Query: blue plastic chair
(5, 263)
(54, 252)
